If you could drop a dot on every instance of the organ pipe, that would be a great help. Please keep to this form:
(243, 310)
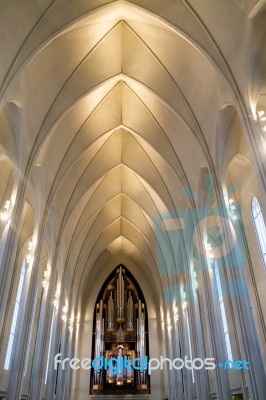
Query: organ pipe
(124, 332)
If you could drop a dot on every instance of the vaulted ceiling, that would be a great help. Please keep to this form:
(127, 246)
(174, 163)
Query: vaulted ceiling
(112, 108)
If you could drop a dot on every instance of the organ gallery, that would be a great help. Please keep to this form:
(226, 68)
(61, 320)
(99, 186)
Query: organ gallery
(120, 336)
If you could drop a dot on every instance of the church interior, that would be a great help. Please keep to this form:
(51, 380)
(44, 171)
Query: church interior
(132, 199)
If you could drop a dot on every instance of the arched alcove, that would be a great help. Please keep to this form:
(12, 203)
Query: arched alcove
(120, 335)
(153, 298)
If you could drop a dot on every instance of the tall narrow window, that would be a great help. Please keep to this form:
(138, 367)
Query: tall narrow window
(222, 310)
(49, 347)
(189, 345)
(30, 337)
(15, 315)
(259, 227)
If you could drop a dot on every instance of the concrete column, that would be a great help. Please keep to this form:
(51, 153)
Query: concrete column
(62, 372)
(157, 379)
(23, 330)
(42, 340)
(69, 371)
(169, 353)
(8, 251)
(213, 322)
(72, 341)
(188, 382)
(52, 374)
(198, 351)
(255, 135)
(178, 384)
(238, 257)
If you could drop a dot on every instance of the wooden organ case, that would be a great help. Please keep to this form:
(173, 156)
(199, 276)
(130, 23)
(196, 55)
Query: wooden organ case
(120, 336)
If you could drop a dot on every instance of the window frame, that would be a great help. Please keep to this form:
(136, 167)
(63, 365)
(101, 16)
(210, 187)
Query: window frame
(259, 227)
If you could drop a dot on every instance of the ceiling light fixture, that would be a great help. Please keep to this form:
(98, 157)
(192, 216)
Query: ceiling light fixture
(29, 256)
(5, 215)
(262, 119)
(55, 302)
(45, 279)
(64, 313)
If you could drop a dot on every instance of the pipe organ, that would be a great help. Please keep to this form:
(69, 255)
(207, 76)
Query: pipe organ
(120, 337)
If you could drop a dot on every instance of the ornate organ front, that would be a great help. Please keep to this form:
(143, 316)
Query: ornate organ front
(120, 337)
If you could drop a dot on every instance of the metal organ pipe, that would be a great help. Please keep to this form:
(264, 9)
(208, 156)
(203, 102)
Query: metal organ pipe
(125, 316)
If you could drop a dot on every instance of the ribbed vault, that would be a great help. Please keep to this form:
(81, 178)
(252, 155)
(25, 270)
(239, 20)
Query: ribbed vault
(114, 96)
(114, 115)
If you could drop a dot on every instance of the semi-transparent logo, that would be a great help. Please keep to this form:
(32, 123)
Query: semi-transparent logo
(191, 240)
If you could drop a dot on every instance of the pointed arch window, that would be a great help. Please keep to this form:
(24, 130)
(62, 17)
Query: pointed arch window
(260, 228)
